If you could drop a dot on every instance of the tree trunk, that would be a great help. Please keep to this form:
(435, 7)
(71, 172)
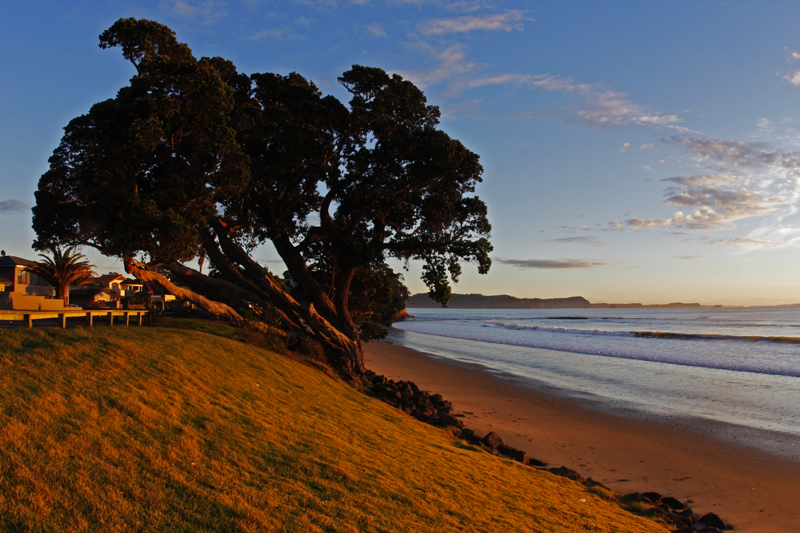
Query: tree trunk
(341, 299)
(343, 352)
(141, 272)
(312, 290)
(227, 292)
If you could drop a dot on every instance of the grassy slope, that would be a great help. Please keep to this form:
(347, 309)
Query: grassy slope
(156, 429)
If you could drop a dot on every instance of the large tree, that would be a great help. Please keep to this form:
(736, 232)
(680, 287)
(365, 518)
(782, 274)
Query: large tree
(195, 159)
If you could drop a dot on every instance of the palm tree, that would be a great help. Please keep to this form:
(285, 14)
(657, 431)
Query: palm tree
(62, 270)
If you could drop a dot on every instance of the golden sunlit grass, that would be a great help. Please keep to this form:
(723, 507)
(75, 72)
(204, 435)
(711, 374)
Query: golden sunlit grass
(170, 429)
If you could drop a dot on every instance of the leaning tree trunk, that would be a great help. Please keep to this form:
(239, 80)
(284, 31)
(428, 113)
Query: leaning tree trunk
(141, 272)
(342, 351)
(211, 306)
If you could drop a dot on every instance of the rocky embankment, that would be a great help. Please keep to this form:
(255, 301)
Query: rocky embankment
(435, 410)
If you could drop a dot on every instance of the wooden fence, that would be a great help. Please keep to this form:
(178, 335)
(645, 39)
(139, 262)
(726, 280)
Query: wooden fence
(29, 316)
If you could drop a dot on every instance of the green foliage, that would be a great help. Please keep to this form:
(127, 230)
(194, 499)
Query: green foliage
(376, 297)
(62, 269)
(141, 172)
(142, 299)
(603, 494)
(640, 509)
(194, 158)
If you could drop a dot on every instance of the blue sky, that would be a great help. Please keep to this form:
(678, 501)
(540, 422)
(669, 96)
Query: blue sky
(633, 151)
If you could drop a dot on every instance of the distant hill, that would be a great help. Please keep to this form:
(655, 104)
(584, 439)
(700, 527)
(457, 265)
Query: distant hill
(674, 305)
(502, 301)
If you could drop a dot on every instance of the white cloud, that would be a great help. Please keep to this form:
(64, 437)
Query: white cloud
(377, 30)
(715, 207)
(470, 108)
(742, 242)
(739, 180)
(581, 239)
(625, 147)
(731, 154)
(508, 21)
(13, 206)
(551, 264)
(207, 12)
(596, 105)
(647, 146)
(282, 34)
(599, 106)
(452, 64)
(793, 77)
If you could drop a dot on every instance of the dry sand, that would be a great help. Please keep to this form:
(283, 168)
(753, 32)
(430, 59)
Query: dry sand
(754, 491)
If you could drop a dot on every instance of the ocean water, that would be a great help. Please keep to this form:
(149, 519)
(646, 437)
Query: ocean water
(737, 369)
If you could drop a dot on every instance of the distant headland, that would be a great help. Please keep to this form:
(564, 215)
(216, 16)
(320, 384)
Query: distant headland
(505, 301)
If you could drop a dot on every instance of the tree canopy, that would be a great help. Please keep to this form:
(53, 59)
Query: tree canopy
(194, 159)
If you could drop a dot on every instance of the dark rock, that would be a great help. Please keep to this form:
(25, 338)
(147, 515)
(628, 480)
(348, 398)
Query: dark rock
(470, 436)
(443, 420)
(592, 483)
(436, 398)
(651, 497)
(456, 422)
(710, 520)
(423, 401)
(568, 473)
(492, 440)
(513, 453)
(632, 497)
(671, 517)
(535, 462)
(672, 503)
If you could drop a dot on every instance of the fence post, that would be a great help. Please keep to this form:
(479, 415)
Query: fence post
(89, 318)
(28, 320)
(127, 318)
(140, 317)
(111, 318)
(63, 317)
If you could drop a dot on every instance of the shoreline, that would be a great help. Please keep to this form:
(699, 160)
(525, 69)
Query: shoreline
(752, 490)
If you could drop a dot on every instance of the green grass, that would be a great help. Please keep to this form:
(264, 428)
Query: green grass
(186, 428)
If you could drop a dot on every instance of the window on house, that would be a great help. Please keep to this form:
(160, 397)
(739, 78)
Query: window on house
(29, 278)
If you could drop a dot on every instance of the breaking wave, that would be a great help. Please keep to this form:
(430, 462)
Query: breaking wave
(646, 334)
(778, 355)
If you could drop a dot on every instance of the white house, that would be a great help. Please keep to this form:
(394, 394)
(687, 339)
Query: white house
(22, 289)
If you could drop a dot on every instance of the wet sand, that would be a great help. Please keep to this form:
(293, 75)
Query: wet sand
(752, 490)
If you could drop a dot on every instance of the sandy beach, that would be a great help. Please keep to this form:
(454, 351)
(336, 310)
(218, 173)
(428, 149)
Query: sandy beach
(752, 490)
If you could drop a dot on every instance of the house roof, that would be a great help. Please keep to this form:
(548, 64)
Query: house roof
(108, 278)
(11, 260)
